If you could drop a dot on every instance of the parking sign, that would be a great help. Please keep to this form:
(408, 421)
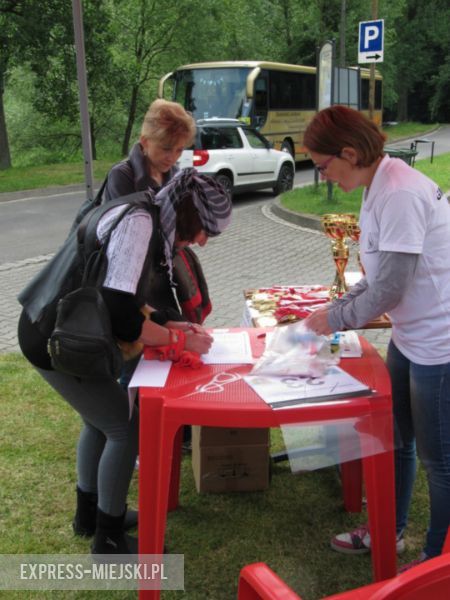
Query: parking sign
(371, 41)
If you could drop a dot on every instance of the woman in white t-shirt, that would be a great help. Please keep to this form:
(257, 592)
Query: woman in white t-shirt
(405, 250)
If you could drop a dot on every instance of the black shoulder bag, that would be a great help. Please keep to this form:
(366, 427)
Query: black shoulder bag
(82, 343)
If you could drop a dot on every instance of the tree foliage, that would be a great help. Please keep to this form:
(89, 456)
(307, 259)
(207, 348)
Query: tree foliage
(130, 44)
(145, 33)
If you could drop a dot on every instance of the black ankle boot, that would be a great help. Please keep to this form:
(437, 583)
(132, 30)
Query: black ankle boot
(86, 515)
(110, 536)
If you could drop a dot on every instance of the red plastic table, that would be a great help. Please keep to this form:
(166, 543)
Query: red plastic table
(212, 396)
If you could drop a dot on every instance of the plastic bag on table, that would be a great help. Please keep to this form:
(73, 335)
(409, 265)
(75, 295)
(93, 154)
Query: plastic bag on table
(295, 350)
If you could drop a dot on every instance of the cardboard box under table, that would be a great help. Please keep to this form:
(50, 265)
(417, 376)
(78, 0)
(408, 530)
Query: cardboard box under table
(230, 460)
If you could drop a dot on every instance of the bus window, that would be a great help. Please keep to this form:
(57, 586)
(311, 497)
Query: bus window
(378, 94)
(365, 94)
(260, 101)
(292, 91)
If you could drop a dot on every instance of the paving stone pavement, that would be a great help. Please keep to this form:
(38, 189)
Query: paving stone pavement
(259, 249)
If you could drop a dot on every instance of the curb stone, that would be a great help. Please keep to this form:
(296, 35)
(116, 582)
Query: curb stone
(46, 192)
(303, 220)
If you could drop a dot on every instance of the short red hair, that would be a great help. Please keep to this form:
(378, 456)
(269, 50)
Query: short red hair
(338, 127)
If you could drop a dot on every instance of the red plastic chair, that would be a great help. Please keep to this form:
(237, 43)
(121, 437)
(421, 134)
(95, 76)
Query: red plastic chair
(430, 579)
(258, 582)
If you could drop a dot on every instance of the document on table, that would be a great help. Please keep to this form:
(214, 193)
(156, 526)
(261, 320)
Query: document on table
(148, 373)
(229, 347)
(287, 391)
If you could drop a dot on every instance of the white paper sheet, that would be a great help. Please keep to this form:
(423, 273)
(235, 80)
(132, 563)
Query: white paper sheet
(148, 373)
(280, 392)
(229, 348)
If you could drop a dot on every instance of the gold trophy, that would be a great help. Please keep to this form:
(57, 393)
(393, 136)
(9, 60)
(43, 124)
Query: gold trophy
(336, 227)
(353, 232)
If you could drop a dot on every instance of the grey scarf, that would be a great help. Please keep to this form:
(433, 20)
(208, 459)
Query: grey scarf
(210, 199)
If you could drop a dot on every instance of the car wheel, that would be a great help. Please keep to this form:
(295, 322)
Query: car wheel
(286, 146)
(285, 181)
(226, 182)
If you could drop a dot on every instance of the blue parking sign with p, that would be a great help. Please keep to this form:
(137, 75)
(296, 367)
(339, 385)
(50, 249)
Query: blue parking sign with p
(371, 38)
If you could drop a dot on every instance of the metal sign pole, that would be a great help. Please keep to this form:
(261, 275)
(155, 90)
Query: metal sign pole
(372, 68)
(332, 101)
(316, 172)
(83, 90)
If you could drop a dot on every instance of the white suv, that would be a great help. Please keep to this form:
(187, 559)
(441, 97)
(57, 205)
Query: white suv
(239, 157)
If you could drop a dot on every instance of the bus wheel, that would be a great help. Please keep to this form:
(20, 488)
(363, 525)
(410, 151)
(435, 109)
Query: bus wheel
(285, 181)
(286, 146)
(226, 183)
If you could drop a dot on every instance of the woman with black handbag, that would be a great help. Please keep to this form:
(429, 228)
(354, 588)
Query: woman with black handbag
(108, 443)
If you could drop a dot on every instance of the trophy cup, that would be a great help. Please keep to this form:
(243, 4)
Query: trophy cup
(336, 228)
(353, 232)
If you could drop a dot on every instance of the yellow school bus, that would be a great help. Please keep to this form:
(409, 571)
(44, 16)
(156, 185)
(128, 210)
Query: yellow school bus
(276, 98)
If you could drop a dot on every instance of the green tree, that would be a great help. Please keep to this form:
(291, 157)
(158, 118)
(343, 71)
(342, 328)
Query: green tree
(145, 34)
(29, 29)
(416, 78)
(13, 15)
(57, 86)
(5, 155)
(436, 19)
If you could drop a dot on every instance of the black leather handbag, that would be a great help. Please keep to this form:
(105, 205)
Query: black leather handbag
(82, 343)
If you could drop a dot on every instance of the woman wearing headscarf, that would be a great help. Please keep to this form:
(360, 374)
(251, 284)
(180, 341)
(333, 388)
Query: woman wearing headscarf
(108, 443)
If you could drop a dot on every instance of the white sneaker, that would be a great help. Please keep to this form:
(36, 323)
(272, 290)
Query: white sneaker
(358, 541)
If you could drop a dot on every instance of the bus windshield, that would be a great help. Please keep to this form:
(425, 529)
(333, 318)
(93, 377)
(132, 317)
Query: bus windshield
(216, 92)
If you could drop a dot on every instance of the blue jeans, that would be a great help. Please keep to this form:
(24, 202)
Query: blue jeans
(421, 399)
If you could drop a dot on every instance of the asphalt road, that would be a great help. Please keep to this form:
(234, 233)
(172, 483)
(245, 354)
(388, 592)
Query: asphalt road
(35, 223)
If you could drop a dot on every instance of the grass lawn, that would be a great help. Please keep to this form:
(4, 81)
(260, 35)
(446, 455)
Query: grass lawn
(288, 526)
(314, 201)
(407, 130)
(43, 176)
